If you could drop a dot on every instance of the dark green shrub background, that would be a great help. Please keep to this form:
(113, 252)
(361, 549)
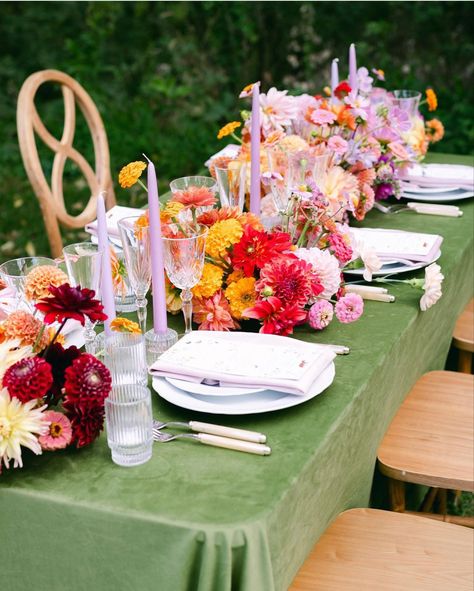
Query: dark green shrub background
(166, 75)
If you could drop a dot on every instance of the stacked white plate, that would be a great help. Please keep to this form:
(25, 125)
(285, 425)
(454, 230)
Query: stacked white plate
(438, 183)
(201, 395)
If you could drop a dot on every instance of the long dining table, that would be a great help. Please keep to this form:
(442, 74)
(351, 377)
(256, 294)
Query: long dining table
(196, 518)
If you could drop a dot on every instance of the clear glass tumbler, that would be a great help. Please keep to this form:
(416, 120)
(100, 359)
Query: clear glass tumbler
(128, 420)
(124, 355)
(14, 273)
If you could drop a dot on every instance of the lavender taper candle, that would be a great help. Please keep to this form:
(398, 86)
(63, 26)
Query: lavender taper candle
(255, 151)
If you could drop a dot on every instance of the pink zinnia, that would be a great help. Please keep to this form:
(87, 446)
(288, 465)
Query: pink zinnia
(340, 248)
(277, 318)
(320, 314)
(195, 197)
(291, 280)
(322, 117)
(59, 433)
(213, 313)
(349, 308)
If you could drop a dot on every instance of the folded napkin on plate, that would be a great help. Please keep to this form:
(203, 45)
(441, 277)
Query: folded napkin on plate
(246, 360)
(440, 175)
(229, 151)
(397, 244)
(113, 216)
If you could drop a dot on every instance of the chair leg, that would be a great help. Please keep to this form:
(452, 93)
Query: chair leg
(396, 491)
(443, 501)
(464, 361)
(429, 499)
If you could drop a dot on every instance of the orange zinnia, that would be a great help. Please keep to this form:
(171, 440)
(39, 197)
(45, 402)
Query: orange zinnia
(431, 99)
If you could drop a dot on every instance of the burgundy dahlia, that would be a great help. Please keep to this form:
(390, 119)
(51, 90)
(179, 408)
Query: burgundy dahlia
(87, 421)
(60, 359)
(71, 302)
(28, 378)
(87, 380)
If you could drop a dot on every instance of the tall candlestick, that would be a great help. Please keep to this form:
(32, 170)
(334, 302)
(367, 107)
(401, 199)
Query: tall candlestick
(106, 283)
(255, 151)
(157, 268)
(352, 67)
(334, 75)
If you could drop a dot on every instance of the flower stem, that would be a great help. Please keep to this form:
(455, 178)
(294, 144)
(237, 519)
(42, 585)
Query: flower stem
(143, 185)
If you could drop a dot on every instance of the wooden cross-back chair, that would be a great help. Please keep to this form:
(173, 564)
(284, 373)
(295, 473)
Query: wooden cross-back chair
(50, 194)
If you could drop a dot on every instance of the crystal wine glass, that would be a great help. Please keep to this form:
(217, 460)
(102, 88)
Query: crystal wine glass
(232, 182)
(136, 249)
(83, 263)
(14, 273)
(183, 253)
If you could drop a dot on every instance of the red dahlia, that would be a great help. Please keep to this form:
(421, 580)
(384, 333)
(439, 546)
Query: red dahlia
(256, 248)
(342, 90)
(277, 318)
(28, 378)
(71, 302)
(87, 421)
(87, 380)
(292, 281)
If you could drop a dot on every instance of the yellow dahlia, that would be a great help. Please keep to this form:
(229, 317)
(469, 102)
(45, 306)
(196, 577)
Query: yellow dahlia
(211, 281)
(39, 279)
(222, 235)
(236, 275)
(130, 174)
(431, 99)
(25, 327)
(228, 129)
(241, 295)
(119, 324)
(20, 424)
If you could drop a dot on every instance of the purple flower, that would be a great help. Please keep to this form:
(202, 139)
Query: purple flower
(320, 314)
(364, 81)
(399, 119)
(383, 191)
(349, 308)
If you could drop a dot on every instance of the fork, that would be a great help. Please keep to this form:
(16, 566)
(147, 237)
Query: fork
(211, 429)
(216, 441)
(423, 208)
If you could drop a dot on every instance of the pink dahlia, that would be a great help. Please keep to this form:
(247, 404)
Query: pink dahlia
(195, 197)
(349, 308)
(322, 116)
(59, 433)
(213, 313)
(277, 318)
(292, 281)
(87, 379)
(28, 379)
(320, 314)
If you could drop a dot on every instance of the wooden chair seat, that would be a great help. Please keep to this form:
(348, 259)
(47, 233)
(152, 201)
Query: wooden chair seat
(463, 337)
(372, 550)
(430, 440)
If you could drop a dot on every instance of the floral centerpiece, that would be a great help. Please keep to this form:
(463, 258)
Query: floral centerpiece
(51, 396)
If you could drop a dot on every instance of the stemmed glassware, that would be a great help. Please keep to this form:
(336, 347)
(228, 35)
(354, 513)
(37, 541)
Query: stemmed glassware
(232, 182)
(136, 249)
(83, 263)
(183, 253)
(15, 271)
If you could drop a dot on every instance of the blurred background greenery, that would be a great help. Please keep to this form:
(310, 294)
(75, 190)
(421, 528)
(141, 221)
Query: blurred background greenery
(166, 75)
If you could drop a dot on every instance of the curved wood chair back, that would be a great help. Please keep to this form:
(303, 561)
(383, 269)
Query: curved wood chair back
(50, 195)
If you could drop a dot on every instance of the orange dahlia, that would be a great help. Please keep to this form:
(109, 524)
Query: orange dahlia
(40, 278)
(25, 327)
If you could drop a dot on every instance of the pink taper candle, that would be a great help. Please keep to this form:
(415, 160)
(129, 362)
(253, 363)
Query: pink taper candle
(352, 67)
(106, 283)
(157, 268)
(334, 75)
(255, 151)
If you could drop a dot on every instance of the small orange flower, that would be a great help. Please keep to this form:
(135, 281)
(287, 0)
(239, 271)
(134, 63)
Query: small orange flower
(434, 130)
(140, 224)
(327, 91)
(195, 197)
(130, 174)
(228, 129)
(124, 325)
(431, 99)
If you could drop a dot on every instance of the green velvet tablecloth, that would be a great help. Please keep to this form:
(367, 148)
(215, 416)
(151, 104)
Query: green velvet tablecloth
(197, 518)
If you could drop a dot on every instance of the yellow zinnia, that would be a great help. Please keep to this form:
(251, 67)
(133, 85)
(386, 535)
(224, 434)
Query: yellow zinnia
(210, 282)
(431, 99)
(130, 174)
(228, 129)
(222, 235)
(124, 325)
(241, 295)
(171, 210)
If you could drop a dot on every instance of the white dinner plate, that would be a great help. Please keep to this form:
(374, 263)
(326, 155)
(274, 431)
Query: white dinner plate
(206, 390)
(394, 267)
(439, 197)
(265, 401)
(414, 188)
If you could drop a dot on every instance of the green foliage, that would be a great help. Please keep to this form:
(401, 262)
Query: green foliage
(166, 75)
